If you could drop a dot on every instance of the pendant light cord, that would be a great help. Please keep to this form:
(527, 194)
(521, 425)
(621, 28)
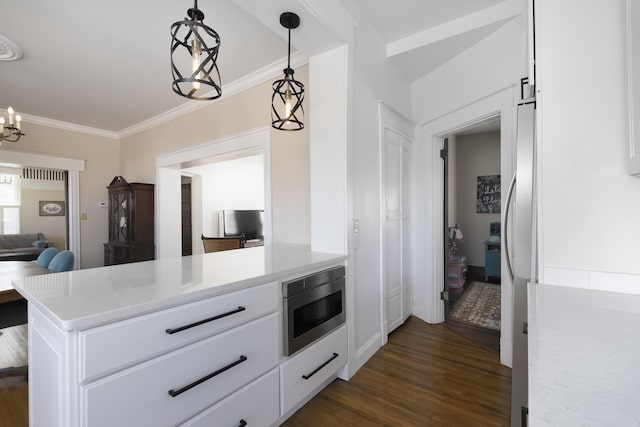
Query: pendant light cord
(289, 53)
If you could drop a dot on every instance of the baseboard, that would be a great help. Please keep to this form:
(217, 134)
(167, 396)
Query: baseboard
(365, 352)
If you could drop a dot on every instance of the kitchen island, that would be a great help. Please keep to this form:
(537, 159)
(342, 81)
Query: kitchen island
(179, 341)
(583, 357)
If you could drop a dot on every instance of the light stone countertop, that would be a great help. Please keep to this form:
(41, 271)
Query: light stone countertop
(86, 298)
(584, 357)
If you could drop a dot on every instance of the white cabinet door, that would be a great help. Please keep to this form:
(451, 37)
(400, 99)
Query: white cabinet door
(305, 372)
(172, 388)
(255, 405)
(153, 334)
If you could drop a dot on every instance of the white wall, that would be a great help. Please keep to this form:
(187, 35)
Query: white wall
(495, 63)
(478, 155)
(589, 205)
(372, 78)
(230, 184)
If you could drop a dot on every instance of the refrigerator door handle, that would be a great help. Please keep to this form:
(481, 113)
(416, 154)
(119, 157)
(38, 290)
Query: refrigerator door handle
(512, 185)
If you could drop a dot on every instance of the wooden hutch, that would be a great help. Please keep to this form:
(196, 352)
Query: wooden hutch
(131, 222)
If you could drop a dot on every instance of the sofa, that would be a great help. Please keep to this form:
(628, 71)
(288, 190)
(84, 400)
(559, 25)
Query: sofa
(22, 247)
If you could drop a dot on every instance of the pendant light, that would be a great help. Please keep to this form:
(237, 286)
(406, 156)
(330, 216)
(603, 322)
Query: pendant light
(194, 50)
(287, 112)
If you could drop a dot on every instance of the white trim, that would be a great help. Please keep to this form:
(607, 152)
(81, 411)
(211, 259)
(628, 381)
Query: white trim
(72, 127)
(365, 352)
(74, 167)
(255, 78)
(167, 190)
(250, 80)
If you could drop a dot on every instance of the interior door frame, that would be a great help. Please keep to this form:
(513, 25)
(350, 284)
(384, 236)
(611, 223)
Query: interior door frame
(73, 168)
(428, 275)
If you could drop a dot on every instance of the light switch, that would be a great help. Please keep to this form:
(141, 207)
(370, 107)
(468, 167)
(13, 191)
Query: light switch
(83, 216)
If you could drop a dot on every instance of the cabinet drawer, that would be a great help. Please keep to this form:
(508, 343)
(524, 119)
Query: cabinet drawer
(257, 404)
(121, 344)
(141, 395)
(294, 387)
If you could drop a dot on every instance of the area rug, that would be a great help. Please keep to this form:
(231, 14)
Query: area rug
(479, 306)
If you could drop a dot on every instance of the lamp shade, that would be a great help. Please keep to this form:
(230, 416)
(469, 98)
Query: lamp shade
(194, 56)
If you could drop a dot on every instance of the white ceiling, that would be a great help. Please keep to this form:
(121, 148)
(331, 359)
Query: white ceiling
(106, 64)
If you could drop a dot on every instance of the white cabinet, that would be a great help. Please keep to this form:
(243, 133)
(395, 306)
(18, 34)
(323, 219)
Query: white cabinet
(156, 333)
(254, 405)
(134, 373)
(311, 369)
(214, 362)
(169, 389)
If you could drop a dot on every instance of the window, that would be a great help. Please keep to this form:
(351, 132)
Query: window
(9, 203)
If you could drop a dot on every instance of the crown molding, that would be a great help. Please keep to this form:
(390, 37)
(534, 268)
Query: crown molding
(58, 124)
(250, 80)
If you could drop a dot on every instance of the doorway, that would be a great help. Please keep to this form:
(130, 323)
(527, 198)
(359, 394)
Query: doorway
(428, 221)
(169, 171)
(472, 232)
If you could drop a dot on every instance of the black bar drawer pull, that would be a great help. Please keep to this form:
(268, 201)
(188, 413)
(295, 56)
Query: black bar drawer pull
(242, 423)
(174, 393)
(210, 319)
(315, 371)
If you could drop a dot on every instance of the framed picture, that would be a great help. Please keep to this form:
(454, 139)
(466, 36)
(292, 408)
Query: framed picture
(52, 208)
(488, 194)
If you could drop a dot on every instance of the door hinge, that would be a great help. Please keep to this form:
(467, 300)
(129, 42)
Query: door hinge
(444, 295)
(444, 153)
(525, 328)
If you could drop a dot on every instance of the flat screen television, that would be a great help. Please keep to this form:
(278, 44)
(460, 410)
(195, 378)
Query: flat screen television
(249, 222)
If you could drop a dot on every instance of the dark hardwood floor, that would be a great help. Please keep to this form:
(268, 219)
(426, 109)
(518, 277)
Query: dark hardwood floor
(427, 375)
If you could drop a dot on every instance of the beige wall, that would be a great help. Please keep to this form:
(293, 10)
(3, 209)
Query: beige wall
(246, 110)
(101, 156)
(53, 227)
(477, 155)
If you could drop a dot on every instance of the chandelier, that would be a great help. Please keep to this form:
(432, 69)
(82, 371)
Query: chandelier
(286, 102)
(194, 52)
(11, 131)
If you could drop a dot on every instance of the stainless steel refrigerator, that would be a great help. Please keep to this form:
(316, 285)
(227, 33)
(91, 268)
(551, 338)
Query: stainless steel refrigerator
(520, 248)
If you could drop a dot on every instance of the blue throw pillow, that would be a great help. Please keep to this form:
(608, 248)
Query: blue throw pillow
(40, 244)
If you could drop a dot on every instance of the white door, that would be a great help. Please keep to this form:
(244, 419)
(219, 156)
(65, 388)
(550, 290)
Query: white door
(407, 284)
(393, 228)
(397, 227)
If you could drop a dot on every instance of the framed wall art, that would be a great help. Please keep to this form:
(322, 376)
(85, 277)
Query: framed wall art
(488, 194)
(52, 208)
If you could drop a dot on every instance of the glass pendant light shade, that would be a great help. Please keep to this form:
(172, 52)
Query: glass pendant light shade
(287, 112)
(194, 56)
